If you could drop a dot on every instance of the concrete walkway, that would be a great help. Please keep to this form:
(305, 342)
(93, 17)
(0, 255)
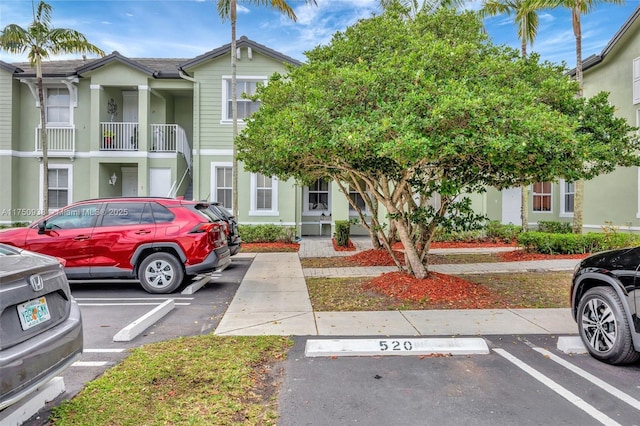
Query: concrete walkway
(273, 299)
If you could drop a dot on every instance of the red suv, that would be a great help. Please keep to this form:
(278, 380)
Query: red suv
(160, 241)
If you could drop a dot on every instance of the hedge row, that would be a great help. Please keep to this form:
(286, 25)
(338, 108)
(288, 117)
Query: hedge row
(546, 243)
(267, 233)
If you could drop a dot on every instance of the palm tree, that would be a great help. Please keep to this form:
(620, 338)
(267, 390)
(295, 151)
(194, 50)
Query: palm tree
(413, 7)
(578, 8)
(227, 9)
(526, 18)
(39, 40)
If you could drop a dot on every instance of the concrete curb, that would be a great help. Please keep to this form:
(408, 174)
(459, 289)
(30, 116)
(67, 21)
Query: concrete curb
(22, 411)
(141, 324)
(395, 347)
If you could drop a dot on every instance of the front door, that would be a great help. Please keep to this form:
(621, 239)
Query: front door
(511, 206)
(129, 182)
(159, 182)
(130, 115)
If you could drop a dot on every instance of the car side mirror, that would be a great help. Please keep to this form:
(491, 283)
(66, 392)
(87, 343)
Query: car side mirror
(42, 226)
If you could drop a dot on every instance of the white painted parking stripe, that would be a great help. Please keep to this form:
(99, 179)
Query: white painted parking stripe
(563, 392)
(593, 379)
(135, 298)
(89, 364)
(130, 304)
(103, 351)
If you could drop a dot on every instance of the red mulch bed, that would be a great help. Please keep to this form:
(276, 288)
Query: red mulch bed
(437, 289)
(375, 257)
(460, 244)
(349, 247)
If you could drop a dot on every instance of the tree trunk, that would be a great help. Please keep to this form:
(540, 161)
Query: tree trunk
(578, 197)
(234, 109)
(524, 212)
(578, 203)
(43, 139)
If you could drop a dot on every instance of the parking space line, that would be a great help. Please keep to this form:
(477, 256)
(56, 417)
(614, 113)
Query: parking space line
(103, 351)
(563, 392)
(593, 379)
(89, 364)
(130, 304)
(135, 298)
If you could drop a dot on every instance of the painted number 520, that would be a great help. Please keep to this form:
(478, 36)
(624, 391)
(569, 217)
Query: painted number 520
(395, 345)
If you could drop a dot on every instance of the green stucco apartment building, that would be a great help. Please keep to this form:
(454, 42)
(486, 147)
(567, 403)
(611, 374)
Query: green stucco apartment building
(121, 126)
(608, 199)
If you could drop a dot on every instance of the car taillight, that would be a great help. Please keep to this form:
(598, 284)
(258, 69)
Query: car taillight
(215, 233)
(202, 228)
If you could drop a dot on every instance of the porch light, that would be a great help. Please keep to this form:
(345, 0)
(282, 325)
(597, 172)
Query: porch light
(113, 179)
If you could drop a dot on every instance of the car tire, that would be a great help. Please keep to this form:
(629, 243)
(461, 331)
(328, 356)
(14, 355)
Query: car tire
(604, 328)
(160, 273)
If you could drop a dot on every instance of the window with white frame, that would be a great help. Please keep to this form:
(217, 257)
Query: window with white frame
(636, 81)
(568, 196)
(60, 191)
(264, 195)
(542, 196)
(358, 200)
(316, 197)
(58, 104)
(246, 106)
(224, 185)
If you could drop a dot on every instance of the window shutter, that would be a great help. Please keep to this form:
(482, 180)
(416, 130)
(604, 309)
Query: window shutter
(636, 81)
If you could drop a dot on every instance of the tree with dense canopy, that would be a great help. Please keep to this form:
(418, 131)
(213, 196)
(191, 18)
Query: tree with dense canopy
(416, 113)
(39, 40)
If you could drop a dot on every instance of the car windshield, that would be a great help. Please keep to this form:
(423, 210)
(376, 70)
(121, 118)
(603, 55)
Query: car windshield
(224, 210)
(7, 251)
(204, 210)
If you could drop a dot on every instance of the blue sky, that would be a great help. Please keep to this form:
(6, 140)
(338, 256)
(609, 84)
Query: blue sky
(187, 28)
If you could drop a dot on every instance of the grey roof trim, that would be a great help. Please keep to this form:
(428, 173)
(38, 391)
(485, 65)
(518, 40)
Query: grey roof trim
(596, 59)
(115, 56)
(9, 68)
(243, 42)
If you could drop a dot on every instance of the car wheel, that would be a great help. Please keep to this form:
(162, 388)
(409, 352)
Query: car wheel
(160, 273)
(604, 328)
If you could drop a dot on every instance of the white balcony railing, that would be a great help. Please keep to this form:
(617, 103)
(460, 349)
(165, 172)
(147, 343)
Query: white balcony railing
(59, 139)
(119, 136)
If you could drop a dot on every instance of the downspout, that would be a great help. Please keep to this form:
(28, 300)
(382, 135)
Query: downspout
(195, 154)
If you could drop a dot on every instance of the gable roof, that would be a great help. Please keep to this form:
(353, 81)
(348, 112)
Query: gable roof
(9, 67)
(243, 42)
(153, 67)
(596, 59)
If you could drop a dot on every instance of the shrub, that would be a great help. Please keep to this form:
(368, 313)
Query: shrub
(497, 231)
(267, 233)
(554, 227)
(343, 229)
(546, 243)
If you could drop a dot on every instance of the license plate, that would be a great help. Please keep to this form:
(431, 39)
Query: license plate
(33, 313)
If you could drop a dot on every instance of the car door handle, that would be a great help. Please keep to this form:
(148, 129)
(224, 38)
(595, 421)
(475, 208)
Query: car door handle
(81, 237)
(143, 232)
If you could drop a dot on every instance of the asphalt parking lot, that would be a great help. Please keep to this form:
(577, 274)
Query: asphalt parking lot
(109, 306)
(523, 379)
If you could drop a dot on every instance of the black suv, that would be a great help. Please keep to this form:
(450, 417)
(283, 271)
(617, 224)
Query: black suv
(605, 302)
(233, 236)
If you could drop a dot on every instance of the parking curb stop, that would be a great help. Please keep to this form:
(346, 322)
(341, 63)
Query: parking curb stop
(395, 346)
(141, 324)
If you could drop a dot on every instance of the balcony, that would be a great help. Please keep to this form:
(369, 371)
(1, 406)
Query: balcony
(119, 136)
(61, 141)
(167, 138)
